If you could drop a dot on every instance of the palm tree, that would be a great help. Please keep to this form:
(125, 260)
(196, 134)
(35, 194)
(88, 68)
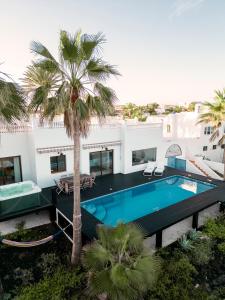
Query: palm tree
(72, 85)
(129, 110)
(12, 108)
(12, 100)
(119, 266)
(151, 108)
(215, 116)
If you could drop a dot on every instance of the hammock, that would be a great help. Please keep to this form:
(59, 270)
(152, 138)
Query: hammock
(32, 243)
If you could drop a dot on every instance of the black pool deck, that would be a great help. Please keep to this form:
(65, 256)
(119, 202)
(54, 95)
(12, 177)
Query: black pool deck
(151, 223)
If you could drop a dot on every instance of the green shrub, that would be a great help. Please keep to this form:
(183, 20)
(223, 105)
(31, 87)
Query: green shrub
(25, 276)
(202, 252)
(62, 285)
(48, 263)
(176, 282)
(215, 229)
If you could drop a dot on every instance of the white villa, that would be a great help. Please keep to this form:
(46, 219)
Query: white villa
(43, 152)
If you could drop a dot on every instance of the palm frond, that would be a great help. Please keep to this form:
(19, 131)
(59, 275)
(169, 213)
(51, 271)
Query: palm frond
(91, 44)
(69, 46)
(12, 102)
(39, 49)
(96, 69)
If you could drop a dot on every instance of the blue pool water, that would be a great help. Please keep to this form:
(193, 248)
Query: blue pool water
(130, 204)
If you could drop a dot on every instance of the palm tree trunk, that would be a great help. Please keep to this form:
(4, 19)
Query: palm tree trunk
(224, 164)
(1, 290)
(75, 257)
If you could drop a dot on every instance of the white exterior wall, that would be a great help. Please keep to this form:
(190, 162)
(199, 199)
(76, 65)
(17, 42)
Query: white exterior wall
(128, 136)
(138, 137)
(102, 134)
(18, 144)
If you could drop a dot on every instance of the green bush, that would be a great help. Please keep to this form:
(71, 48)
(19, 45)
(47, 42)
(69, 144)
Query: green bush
(202, 252)
(215, 229)
(176, 282)
(48, 263)
(24, 276)
(62, 285)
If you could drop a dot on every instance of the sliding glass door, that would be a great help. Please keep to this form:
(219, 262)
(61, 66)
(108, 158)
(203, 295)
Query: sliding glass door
(101, 162)
(10, 170)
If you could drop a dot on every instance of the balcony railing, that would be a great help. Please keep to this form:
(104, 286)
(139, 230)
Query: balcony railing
(14, 128)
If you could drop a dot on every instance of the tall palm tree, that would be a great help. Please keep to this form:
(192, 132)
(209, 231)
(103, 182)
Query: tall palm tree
(12, 108)
(119, 266)
(72, 85)
(215, 116)
(12, 100)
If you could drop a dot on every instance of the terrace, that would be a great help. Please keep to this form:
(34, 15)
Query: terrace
(177, 217)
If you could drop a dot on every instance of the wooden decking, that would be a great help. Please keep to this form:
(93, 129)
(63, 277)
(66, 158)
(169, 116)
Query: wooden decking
(151, 223)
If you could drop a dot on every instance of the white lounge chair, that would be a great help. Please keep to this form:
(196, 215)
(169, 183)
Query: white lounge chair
(159, 170)
(150, 168)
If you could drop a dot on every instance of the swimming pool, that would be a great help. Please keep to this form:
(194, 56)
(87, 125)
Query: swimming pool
(133, 203)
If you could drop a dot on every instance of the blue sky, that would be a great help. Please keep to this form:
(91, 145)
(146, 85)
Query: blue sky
(168, 51)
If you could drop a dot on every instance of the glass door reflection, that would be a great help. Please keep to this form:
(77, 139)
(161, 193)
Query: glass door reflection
(101, 162)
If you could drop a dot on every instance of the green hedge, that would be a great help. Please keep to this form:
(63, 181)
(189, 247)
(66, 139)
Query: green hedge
(62, 285)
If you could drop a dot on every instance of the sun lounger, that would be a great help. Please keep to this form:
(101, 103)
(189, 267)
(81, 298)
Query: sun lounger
(150, 168)
(159, 170)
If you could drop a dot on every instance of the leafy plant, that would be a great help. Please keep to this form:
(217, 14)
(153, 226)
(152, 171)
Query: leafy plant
(62, 285)
(215, 229)
(25, 276)
(194, 235)
(185, 243)
(118, 265)
(202, 252)
(48, 263)
(176, 282)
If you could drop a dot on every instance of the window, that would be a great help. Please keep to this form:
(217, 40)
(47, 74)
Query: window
(208, 130)
(168, 128)
(143, 156)
(223, 146)
(214, 147)
(58, 163)
(205, 148)
(10, 170)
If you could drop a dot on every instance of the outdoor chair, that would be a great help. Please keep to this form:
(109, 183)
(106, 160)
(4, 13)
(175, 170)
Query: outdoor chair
(86, 182)
(59, 187)
(92, 179)
(150, 168)
(70, 189)
(159, 170)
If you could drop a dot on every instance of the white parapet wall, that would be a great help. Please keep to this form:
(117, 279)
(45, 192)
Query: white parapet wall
(216, 166)
(202, 164)
(210, 212)
(31, 220)
(172, 233)
(150, 242)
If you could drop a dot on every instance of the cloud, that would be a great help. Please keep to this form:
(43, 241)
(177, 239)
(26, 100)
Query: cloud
(182, 6)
